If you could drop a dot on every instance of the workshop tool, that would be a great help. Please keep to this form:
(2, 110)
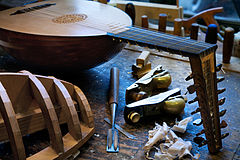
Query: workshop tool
(170, 102)
(120, 129)
(112, 137)
(206, 15)
(157, 78)
(142, 65)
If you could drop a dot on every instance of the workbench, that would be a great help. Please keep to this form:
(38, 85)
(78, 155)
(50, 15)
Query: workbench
(95, 84)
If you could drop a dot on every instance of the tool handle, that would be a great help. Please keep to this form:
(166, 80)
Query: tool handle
(114, 85)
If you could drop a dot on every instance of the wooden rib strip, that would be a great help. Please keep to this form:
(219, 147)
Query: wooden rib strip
(67, 104)
(84, 107)
(11, 123)
(48, 110)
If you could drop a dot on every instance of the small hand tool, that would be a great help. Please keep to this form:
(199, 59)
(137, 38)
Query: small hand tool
(120, 129)
(170, 102)
(157, 78)
(112, 137)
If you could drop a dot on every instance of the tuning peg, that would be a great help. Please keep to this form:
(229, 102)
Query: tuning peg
(196, 111)
(220, 79)
(221, 91)
(191, 89)
(202, 131)
(218, 67)
(223, 124)
(189, 77)
(198, 140)
(221, 101)
(224, 135)
(222, 113)
(197, 122)
(194, 100)
(203, 143)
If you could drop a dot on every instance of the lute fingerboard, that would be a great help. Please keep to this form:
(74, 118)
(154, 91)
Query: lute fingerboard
(161, 41)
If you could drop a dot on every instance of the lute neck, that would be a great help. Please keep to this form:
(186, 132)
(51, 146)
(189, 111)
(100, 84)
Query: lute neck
(166, 42)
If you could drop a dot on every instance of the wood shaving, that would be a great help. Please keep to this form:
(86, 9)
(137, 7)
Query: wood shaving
(171, 146)
(182, 125)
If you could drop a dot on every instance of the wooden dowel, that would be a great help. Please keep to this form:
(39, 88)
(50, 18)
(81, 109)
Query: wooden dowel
(162, 23)
(194, 31)
(145, 21)
(177, 27)
(228, 44)
(130, 10)
(211, 35)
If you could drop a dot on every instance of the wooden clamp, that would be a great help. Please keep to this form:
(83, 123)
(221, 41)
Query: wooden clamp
(47, 102)
(206, 15)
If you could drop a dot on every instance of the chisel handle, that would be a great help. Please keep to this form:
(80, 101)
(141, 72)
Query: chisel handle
(114, 86)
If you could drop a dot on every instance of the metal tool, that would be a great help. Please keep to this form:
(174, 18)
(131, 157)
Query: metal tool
(157, 78)
(170, 102)
(112, 137)
(120, 129)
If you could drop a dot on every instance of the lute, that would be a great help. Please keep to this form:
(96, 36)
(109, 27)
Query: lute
(83, 34)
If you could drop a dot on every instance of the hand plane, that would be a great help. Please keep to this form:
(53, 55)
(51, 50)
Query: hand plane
(157, 78)
(171, 102)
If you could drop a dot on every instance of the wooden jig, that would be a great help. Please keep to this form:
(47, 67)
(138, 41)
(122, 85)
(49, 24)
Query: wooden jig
(30, 103)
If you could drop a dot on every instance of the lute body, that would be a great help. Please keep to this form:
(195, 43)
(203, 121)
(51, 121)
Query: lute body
(36, 39)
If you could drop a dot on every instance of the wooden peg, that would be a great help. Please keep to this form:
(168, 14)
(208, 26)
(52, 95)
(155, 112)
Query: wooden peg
(145, 21)
(130, 10)
(194, 31)
(221, 91)
(223, 124)
(194, 100)
(228, 44)
(162, 23)
(221, 101)
(189, 77)
(224, 135)
(220, 79)
(211, 35)
(177, 27)
(222, 113)
(192, 88)
(202, 131)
